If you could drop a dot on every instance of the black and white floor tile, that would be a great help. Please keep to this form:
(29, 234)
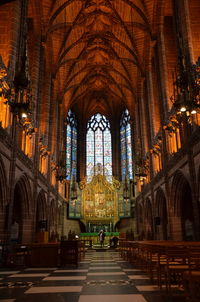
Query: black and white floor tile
(100, 277)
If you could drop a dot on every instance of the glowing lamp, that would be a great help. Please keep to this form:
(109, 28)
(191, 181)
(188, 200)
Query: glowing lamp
(183, 109)
(24, 115)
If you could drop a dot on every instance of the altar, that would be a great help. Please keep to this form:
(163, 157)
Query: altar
(100, 203)
(92, 239)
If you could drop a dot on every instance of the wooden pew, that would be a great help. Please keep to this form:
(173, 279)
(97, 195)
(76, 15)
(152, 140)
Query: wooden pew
(164, 261)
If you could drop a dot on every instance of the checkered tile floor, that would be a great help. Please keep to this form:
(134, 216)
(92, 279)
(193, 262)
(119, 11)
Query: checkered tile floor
(101, 277)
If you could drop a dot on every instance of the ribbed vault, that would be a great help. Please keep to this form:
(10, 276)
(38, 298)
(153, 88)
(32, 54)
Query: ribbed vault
(97, 49)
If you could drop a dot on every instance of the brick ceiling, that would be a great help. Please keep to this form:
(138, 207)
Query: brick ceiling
(98, 50)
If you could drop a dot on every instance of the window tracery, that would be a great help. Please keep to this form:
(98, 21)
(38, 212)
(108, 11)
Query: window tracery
(99, 149)
(71, 146)
(126, 146)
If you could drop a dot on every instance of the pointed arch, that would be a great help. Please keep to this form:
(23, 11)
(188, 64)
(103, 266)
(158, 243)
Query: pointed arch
(126, 145)
(161, 217)
(22, 209)
(140, 220)
(3, 201)
(53, 216)
(178, 183)
(3, 185)
(26, 193)
(41, 212)
(182, 207)
(148, 219)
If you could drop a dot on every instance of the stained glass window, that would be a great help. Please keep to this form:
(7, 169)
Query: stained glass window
(126, 147)
(99, 149)
(71, 145)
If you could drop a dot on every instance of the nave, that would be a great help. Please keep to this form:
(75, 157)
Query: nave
(101, 277)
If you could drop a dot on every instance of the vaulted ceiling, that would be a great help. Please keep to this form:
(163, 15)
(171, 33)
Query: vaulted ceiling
(98, 50)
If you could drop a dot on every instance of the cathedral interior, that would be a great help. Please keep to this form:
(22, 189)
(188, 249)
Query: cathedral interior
(99, 130)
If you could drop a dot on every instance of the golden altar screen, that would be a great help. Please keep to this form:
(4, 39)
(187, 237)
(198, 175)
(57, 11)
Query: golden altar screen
(100, 200)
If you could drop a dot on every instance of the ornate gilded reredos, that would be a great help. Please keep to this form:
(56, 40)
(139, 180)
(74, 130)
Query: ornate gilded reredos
(82, 184)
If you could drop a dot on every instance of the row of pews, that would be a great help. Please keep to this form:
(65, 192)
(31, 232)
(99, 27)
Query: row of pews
(46, 254)
(168, 263)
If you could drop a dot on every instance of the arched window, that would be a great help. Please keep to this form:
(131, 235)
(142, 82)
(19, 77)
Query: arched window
(71, 146)
(99, 149)
(126, 147)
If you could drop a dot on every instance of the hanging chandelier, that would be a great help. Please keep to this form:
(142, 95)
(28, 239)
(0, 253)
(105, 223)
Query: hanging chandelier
(186, 97)
(61, 167)
(141, 169)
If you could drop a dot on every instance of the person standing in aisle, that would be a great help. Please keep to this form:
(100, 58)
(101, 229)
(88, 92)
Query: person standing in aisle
(101, 237)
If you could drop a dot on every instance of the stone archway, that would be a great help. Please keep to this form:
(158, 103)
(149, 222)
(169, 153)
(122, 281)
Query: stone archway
(140, 221)
(52, 221)
(3, 203)
(182, 212)
(198, 201)
(187, 214)
(21, 222)
(41, 223)
(148, 220)
(161, 218)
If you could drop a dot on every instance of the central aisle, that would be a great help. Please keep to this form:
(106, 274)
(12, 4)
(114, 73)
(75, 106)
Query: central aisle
(101, 277)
